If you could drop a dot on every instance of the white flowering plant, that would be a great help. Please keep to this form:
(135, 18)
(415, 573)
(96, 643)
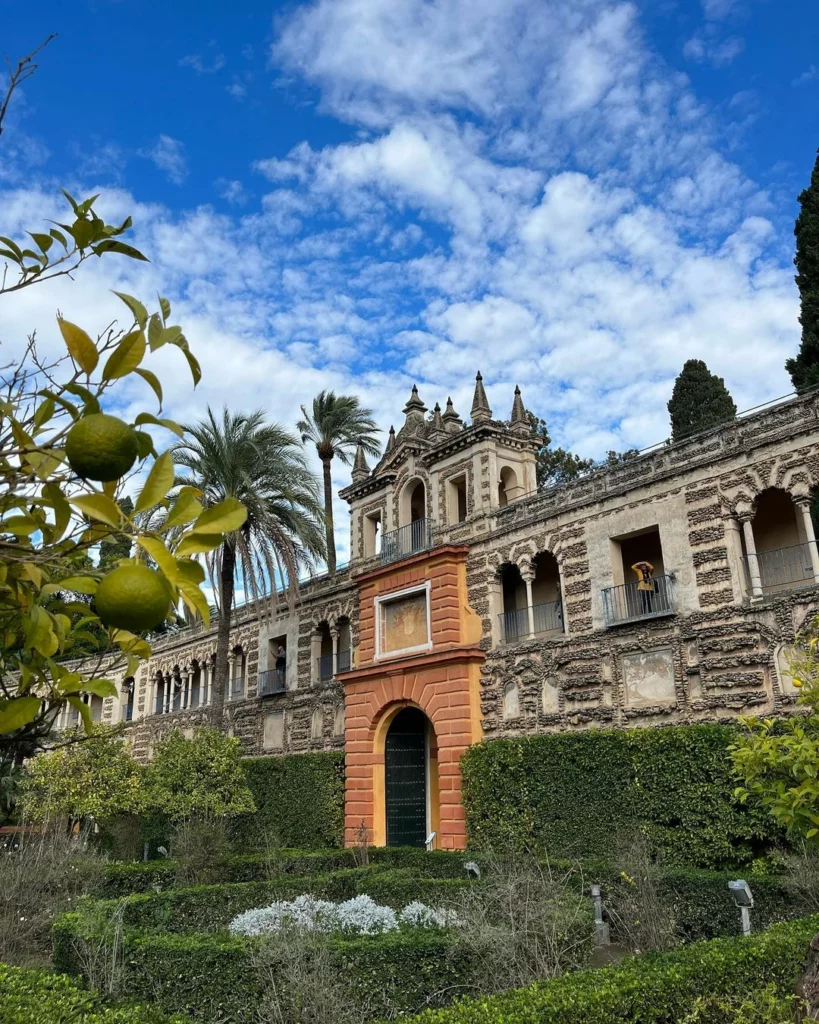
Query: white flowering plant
(358, 916)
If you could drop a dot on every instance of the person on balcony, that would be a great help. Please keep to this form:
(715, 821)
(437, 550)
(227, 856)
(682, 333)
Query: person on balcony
(645, 586)
(281, 664)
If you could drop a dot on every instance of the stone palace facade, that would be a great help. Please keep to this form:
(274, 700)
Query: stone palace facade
(476, 607)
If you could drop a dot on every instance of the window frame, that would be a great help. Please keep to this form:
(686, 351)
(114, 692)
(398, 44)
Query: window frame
(396, 595)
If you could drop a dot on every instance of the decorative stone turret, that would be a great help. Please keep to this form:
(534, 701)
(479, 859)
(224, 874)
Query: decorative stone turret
(436, 425)
(481, 412)
(414, 411)
(453, 424)
(519, 423)
(360, 468)
(390, 440)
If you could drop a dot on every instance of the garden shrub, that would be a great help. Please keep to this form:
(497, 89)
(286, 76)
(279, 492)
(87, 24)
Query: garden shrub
(299, 801)
(572, 795)
(652, 989)
(40, 997)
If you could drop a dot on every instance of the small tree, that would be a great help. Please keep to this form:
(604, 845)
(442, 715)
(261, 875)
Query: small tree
(97, 779)
(778, 760)
(64, 468)
(700, 400)
(555, 465)
(202, 777)
(804, 368)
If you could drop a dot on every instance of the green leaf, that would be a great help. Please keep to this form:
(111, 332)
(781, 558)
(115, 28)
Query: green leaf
(62, 402)
(111, 245)
(43, 242)
(225, 517)
(15, 248)
(40, 633)
(99, 687)
(146, 417)
(90, 401)
(126, 357)
(84, 710)
(193, 363)
(199, 543)
(145, 444)
(159, 482)
(190, 571)
(82, 348)
(44, 412)
(19, 526)
(165, 306)
(185, 509)
(154, 330)
(101, 507)
(8, 255)
(72, 201)
(62, 510)
(160, 554)
(136, 307)
(165, 336)
(153, 380)
(79, 584)
(17, 712)
(196, 601)
(59, 236)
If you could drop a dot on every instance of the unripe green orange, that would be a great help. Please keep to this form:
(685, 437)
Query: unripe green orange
(101, 447)
(132, 597)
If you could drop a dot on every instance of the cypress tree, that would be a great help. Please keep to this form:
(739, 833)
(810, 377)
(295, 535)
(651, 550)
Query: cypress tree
(699, 400)
(804, 369)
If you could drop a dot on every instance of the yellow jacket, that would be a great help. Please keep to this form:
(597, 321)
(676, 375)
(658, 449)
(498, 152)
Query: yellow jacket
(644, 571)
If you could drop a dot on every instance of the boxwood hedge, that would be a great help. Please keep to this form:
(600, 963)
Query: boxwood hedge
(574, 794)
(651, 989)
(40, 997)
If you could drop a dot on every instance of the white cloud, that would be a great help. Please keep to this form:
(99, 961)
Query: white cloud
(808, 76)
(169, 156)
(707, 47)
(525, 189)
(203, 65)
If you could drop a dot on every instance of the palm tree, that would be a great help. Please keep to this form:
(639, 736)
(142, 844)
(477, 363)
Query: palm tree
(337, 425)
(263, 465)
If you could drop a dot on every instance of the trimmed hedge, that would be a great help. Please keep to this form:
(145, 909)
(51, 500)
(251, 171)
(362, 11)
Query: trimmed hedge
(159, 875)
(211, 908)
(574, 794)
(39, 997)
(299, 801)
(651, 989)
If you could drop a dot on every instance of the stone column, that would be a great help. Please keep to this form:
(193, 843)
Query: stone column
(205, 684)
(528, 574)
(753, 561)
(167, 693)
(315, 653)
(335, 636)
(562, 595)
(184, 703)
(810, 533)
(231, 670)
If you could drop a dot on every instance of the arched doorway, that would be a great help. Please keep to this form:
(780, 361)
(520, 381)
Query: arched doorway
(406, 765)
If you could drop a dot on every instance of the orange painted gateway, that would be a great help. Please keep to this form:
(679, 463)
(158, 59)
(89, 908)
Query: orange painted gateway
(412, 703)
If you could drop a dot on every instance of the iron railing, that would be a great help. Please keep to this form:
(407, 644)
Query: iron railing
(627, 603)
(271, 681)
(325, 667)
(514, 625)
(548, 618)
(344, 661)
(406, 540)
(783, 567)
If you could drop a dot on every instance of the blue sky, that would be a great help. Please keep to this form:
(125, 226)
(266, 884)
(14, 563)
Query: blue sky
(572, 195)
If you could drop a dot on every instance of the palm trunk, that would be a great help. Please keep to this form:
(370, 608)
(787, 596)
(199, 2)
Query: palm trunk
(220, 674)
(328, 516)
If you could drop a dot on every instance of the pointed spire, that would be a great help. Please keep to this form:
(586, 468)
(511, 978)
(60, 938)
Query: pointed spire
(360, 468)
(437, 420)
(414, 411)
(390, 440)
(519, 422)
(480, 413)
(453, 423)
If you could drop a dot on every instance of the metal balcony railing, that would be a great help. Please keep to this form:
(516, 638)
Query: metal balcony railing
(783, 567)
(325, 667)
(548, 618)
(406, 540)
(271, 681)
(627, 603)
(344, 661)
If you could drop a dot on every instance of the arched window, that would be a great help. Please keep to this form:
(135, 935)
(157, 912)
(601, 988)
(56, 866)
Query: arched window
(317, 725)
(237, 685)
(338, 721)
(508, 488)
(324, 656)
(511, 700)
(514, 619)
(345, 642)
(784, 556)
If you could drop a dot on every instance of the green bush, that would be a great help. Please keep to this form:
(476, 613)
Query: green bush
(299, 801)
(574, 795)
(651, 989)
(159, 875)
(39, 997)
